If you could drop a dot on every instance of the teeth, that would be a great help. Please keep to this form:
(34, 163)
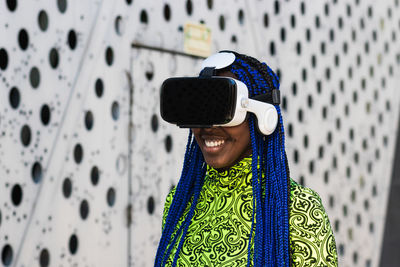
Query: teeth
(212, 143)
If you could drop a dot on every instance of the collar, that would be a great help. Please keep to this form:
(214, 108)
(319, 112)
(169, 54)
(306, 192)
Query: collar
(237, 175)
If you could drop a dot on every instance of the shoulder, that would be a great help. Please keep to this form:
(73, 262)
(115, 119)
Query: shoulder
(170, 196)
(311, 236)
(299, 192)
(167, 205)
(168, 200)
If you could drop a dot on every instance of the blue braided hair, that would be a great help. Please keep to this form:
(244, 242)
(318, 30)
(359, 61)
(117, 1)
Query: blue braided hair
(270, 172)
(189, 187)
(270, 182)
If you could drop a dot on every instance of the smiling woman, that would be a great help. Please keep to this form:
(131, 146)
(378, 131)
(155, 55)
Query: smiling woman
(235, 203)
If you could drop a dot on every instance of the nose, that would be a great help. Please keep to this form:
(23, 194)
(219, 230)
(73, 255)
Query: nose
(209, 129)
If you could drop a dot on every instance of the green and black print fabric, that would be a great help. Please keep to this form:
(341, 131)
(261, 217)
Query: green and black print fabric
(219, 232)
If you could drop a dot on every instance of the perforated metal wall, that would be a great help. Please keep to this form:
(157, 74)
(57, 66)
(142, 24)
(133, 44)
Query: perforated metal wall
(86, 161)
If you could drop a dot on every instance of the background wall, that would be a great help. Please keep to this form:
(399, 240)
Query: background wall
(86, 161)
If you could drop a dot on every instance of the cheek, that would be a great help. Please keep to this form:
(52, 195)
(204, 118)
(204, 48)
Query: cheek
(242, 142)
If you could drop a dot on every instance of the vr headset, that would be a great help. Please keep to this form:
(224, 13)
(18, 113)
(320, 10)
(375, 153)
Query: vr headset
(209, 100)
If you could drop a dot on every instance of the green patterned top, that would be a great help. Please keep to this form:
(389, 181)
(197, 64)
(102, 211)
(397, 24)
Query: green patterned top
(219, 231)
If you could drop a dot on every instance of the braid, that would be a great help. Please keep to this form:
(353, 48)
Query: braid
(270, 173)
(188, 187)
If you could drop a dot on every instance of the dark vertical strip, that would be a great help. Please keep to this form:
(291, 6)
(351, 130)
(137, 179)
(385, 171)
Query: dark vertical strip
(390, 255)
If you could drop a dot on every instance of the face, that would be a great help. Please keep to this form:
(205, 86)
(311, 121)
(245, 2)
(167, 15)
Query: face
(223, 147)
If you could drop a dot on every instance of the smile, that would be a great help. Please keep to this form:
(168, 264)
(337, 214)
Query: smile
(214, 143)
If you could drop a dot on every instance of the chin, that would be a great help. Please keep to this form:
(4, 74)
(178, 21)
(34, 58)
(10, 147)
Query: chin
(218, 163)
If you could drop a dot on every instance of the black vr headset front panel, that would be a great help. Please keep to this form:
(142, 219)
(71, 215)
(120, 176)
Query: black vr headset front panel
(198, 102)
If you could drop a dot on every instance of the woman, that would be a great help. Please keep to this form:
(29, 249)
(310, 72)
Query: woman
(235, 204)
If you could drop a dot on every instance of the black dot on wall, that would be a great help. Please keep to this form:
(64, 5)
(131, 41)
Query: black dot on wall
(266, 20)
(115, 110)
(154, 123)
(14, 97)
(143, 17)
(293, 21)
(210, 4)
(276, 7)
(310, 101)
(43, 20)
(119, 25)
(221, 22)
(25, 135)
(298, 48)
(272, 48)
(168, 143)
(341, 249)
(84, 209)
(44, 258)
(99, 87)
(189, 7)
(340, 22)
(313, 61)
(7, 255)
(94, 175)
(302, 8)
(304, 74)
(308, 35)
(34, 77)
(111, 197)
(323, 48)
(16, 195)
(319, 86)
(62, 5)
(150, 205)
(324, 112)
(305, 141)
(67, 187)
(283, 34)
(290, 130)
(12, 5)
(284, 103)
(355, 257)
(317, 22)
(89, 120)
(296, 156)
(45, 114)
(311, 167)
(329, 137)
(23, 39)
(294, 88)
(241, 16)
(167, 12)
(54, 58)
(300, 115)
(3, 59)
(326, 9)
(72, 40)
(326, 177)
(109, 56)
(301, 180)
(149, 72)
(36, 172)
(78, 153)
(73, 244)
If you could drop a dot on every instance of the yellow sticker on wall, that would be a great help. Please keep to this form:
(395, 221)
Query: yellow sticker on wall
(197, 39)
